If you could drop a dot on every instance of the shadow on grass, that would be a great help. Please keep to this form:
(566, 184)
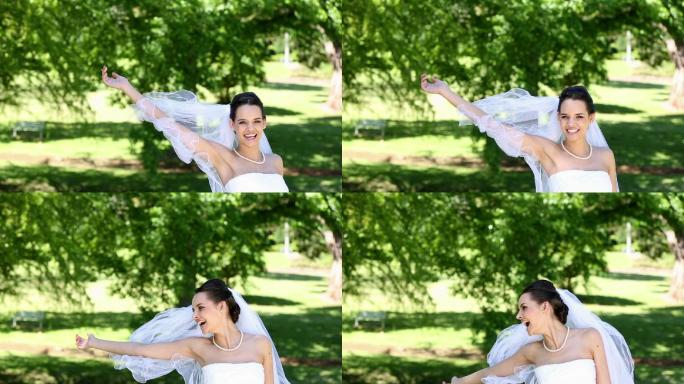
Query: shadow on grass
(397, 321)
(292, 87)
(61, 131)
(275, 111)
(389, 177)
(633, 276)
(269, 300)
(635, 85)
(606, 300)
(612, 108)
(358, 369)
(293, 277)
(313, 144)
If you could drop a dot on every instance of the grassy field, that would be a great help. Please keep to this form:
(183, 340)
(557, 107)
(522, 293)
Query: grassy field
(430, 346)
(304, 327)
(438, 155)
(93, 152)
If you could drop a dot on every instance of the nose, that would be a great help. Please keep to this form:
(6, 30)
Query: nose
(518, 316)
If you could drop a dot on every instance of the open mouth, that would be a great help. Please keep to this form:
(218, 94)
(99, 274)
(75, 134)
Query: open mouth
(250, 136)
(202, 323)
(572, 131)
(527, 323)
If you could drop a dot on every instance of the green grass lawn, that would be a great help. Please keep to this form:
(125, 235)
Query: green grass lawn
(421, 346)
(419, 154)
(300, 130)
(302, 325)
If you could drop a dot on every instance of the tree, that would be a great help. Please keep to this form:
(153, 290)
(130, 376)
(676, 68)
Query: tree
(156, 247)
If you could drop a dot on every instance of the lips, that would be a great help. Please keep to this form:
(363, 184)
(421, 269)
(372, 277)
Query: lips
(572, 131)
(202, 323)
(250, 136)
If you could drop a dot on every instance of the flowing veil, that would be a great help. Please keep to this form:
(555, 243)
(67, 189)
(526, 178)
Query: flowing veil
(510, 340)
(177, 323)
(534, 115)
(208, 121)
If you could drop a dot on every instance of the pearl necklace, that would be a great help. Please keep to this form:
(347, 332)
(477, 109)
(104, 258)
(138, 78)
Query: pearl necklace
(562, 345)
(263, 157)
(591, 150)
(213, 340)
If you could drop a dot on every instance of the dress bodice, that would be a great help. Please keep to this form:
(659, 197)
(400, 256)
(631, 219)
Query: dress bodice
(233, 373)
(576, 180)
(580, 371)
(257, 182)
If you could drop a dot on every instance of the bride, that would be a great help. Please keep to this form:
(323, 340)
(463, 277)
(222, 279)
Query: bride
(235, 154)
(558, 137)
(559, 341)
(216, 338)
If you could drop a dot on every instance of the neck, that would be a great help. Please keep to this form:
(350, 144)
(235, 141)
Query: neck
(228, 337)
(555, 335)
(252, 153)
(577, 147)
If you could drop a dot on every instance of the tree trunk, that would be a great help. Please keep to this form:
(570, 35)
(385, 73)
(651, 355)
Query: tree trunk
(334, 243)
(676, 243)
(334, 52)
(676, 51)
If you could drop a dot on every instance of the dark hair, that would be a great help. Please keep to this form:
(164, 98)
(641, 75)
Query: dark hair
(245, 98)
(218, 291)
(577, 92)
(543, 290)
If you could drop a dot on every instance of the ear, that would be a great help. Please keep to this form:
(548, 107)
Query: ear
(221, 306)
(265, 122)
(592, 116)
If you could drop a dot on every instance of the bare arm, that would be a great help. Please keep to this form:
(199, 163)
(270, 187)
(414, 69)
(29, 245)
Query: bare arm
(266, 350)
(163, 351)
(611, 171)
(503, 369)
(189, 138)
(599, 354)
(531, 144)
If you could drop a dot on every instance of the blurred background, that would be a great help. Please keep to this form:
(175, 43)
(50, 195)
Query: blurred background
(61, 129)
(105, 264)
(628, 53)
(430, 279)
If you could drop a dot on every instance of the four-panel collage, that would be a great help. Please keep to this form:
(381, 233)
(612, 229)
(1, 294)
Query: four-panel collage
(179, 182)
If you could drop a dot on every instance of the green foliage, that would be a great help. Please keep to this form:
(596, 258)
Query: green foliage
(156, 246)
(492, 244)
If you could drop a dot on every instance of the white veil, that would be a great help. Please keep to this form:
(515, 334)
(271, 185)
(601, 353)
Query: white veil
(209, 121)
(177, 323)
(510, 340)
(535, 115)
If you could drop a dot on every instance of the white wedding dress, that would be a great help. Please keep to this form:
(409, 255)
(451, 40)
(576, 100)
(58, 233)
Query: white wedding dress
(240, 373)
(576, 180)
(581, 371)
(257, 182)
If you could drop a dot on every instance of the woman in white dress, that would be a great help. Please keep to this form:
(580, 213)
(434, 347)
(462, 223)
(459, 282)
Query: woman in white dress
(217, 338)
(558, 137)
(559, 341)
(226, 141)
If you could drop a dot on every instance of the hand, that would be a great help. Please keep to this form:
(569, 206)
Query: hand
(432, 84)
(84, 344)
(454, 380)
(116, 81)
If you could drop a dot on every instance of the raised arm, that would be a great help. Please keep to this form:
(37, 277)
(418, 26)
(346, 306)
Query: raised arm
(163, 351)
(190, 139)
(503, 369)
(511, 140)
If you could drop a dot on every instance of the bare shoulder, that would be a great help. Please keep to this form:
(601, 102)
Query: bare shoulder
(590, 336)
(530, 351)
(277, 161)
(605, 153)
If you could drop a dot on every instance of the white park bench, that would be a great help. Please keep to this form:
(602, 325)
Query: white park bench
(378, 125)
(31, 317)
(370, 317)
(29, 126)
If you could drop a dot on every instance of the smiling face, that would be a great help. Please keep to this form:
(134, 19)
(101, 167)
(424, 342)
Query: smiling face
(249, 125)
(532, 314)
(574, 119)
(208, 315)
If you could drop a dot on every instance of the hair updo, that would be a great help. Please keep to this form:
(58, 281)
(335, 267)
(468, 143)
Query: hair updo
(218, 291)
(245, 98)
(577, 92)
(544, 291)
